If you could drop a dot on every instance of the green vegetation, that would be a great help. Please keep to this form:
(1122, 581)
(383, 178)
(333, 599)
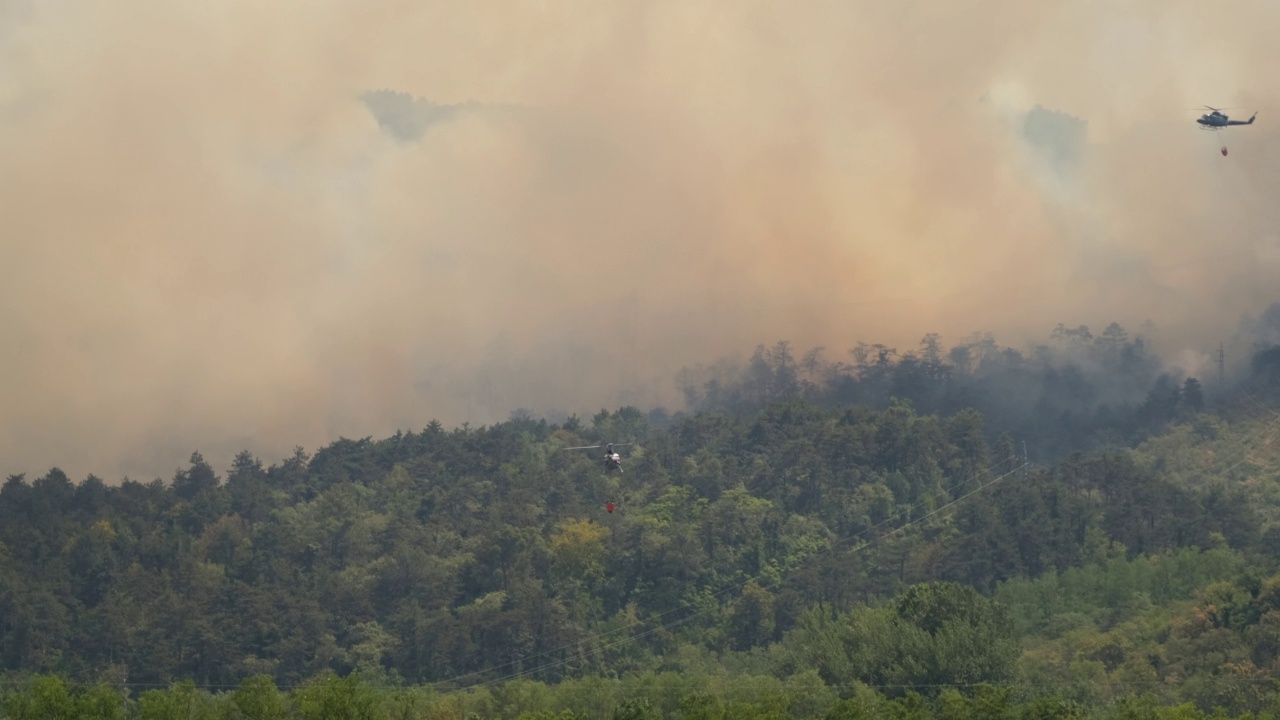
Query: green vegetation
(806, 558)
(1076, 392)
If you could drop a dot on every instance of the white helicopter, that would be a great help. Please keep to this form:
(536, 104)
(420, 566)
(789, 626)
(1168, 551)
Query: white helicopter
(612, 460)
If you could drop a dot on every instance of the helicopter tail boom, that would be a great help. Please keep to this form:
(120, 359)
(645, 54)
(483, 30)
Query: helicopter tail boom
(1243, 122)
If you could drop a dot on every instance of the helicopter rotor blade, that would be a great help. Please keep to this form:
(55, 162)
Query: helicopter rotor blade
(593, 447)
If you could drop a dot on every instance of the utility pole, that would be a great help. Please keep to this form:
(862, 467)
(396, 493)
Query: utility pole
(1023, 474)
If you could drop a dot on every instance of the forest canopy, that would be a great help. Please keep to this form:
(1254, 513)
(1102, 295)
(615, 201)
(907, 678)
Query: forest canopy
(1078, 391)
(815, 549)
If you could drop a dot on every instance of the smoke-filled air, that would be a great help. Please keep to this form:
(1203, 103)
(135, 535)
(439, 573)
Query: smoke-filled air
(243, 225)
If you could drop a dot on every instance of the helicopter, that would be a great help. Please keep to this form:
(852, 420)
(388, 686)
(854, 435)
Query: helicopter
(612, 460)
(1216, 120)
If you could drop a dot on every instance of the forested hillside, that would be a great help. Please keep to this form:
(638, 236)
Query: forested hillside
(804, 556)
(1076, 391)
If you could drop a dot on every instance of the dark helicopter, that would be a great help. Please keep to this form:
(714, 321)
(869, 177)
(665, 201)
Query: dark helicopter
(1216, 120)
(612, 460)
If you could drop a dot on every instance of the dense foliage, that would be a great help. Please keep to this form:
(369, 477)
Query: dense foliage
(644, 697)
(1076, 392)
(807, 558)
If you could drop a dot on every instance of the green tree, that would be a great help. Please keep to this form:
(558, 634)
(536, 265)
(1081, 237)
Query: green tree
(973, 639)
(258, 699)
(1193, 394)
(46, 698)
(330, 697)
(638, 708)
(751, 620)
(181, 700)
(702, 706)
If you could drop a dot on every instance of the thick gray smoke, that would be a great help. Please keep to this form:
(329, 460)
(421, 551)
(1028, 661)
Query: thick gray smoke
(216, 238)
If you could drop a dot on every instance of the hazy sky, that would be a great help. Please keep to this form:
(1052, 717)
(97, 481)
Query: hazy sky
(209, 243)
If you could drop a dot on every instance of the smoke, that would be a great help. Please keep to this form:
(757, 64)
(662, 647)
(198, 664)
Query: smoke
(216, 238)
